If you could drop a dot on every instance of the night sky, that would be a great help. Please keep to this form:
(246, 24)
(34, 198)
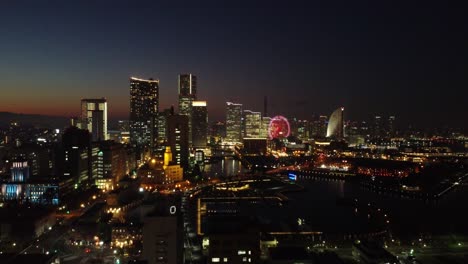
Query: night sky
(403, 58)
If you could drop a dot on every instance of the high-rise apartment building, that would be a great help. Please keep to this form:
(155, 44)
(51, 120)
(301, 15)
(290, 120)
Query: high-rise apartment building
(144, 104)
(94, 118)
(233, 122)
(187, 84)
(199, 124)
(252, 124)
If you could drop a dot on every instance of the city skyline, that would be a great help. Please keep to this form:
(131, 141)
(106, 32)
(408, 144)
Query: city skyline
(376, 64)
(199, 133)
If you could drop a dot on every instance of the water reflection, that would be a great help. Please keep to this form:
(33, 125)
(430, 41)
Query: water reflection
(224, 168)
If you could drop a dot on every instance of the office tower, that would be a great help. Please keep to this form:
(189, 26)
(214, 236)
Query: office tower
(199, 124)
(363, 129)
(265, 123)
(391, 126)
(162, 235)
(318, 127)
(302, 129)
(110, 163)
(187, 94)
(252, 124)
(218, 129)
(233, 122)
(322, 126)
(335, 126)
(144, 106)
(162, 125)
(124, 130)
(177, 138)
(94, 118)
(77, 162)
(377, 127)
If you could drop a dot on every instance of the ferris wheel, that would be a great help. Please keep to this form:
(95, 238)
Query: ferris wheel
(279, 127)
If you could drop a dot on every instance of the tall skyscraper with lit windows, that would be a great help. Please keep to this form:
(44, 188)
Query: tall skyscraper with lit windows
(252, 124)
(391, 126)
(144, 106)
(264, 127)
(233, 122)
(199, 124)
(177, 139)
(187, 85)
(94, 118)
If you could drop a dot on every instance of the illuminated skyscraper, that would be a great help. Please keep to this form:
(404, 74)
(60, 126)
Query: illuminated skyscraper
(253, 124)
(199, 124)
(322, 126)
(391, 126)
(335, 124)
(302, 129)
(177, 138)
(144, 104)
(233, 122)
(76, 155)
(94, 118)
(264, 128)
(162, 126)
(377, 128)
(187, 94)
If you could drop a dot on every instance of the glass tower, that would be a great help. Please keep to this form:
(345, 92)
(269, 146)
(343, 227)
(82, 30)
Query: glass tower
(233, 122)
(144, 104)
(187, 85)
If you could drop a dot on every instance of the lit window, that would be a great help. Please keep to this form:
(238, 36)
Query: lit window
(215, 259)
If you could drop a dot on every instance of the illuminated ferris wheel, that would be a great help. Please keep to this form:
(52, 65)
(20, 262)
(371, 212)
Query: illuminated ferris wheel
(279, 127)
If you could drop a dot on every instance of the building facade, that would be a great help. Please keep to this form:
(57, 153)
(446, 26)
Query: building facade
(187, 84)
(335, 126)
(233, 122)
(94, 118)
(199, 124)
(177, 134)
(144, 106)
(252, 124)
(77, 160)
(264, 128)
